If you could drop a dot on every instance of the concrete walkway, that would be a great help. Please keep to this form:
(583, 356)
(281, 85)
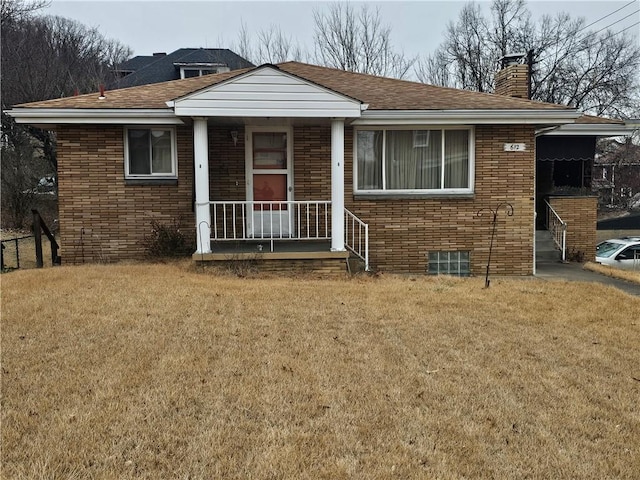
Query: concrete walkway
(549, 270)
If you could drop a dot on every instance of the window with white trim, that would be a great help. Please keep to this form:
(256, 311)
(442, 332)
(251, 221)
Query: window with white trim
(414, 161)
(190, 72)
(150, 153)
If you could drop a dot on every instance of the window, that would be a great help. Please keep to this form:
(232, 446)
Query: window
(190, 72)
(414, 161)
(449, 263)
(150, 152)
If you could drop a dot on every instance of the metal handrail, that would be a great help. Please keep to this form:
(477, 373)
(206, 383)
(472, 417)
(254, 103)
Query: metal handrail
(558, 229)
(356, 237)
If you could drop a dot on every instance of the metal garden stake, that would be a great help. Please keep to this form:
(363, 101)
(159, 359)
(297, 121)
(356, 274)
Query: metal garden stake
(509, 209)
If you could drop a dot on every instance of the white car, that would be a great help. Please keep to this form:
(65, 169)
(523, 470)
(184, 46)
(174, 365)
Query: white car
(620, 253)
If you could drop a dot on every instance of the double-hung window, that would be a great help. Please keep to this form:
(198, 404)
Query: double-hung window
(150, 153)
(420, 161)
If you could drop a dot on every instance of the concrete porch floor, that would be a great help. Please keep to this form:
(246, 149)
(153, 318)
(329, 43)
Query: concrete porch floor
(261, 249)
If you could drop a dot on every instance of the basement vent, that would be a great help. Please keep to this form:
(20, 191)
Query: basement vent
(449, 263)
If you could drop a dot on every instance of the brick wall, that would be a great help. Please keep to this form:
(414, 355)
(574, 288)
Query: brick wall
(403, 231)
(101, 218)
(513, 81)
(580, 214)
(115, 217)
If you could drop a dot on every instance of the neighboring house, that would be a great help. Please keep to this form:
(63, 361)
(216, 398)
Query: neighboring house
(304, 153)
(183, 63)
(616, 173)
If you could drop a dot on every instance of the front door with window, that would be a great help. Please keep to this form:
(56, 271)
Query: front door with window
(269, 182)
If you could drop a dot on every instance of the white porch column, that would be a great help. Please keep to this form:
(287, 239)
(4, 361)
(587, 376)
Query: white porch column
(337, 185)
(201, 162)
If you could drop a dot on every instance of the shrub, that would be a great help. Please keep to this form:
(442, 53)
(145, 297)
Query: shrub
(167, 240)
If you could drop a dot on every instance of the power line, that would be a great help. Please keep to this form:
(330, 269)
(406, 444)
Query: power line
(598, 31)
(590, 34)
(602, 40)
(602, 18)
(598, 20)
(623, 18)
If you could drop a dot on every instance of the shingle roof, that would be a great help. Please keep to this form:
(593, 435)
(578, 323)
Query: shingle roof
(161, 68)
(379, 93)
(136, 63)
(590, 119)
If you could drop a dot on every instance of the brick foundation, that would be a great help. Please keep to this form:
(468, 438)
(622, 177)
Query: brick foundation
(321, 267)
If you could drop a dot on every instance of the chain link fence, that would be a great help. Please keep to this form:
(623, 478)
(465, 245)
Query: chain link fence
(19, 251)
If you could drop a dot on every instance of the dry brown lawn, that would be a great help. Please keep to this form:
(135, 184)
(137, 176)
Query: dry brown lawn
(159, 371)
(628, 275)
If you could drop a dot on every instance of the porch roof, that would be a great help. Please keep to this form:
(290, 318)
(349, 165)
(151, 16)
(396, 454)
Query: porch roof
(267, 91)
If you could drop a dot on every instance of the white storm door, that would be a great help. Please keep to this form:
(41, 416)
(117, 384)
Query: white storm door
(269, 182)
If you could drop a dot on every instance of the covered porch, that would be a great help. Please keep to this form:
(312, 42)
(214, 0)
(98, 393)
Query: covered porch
(271, 208)
(293, 230)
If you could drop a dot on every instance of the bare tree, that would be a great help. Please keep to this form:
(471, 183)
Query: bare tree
(14, 10)
(596, 72)
(43, 58)
(271, 46)
(22, 168)
(275, 47)
(357, 42)
(50, 57)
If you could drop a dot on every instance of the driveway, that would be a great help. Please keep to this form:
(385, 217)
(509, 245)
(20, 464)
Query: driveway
(628, 222)
(574, 272)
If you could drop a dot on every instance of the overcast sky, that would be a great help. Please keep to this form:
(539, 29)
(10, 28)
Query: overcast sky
(149, 26)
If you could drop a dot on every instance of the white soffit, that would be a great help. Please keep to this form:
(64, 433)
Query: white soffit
(266, 92)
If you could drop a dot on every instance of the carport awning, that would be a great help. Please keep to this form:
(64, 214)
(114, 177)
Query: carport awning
(565, 149)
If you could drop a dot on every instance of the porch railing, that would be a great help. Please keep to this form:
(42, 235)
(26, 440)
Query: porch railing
(558, 229)
(270, 221)
(356, 237)
(291, 220)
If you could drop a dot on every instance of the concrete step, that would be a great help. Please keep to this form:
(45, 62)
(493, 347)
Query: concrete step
(546, 250)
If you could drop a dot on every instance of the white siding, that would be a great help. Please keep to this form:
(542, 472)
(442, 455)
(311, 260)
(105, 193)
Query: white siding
(267, 92)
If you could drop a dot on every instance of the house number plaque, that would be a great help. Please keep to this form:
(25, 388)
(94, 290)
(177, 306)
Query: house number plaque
(515, 147)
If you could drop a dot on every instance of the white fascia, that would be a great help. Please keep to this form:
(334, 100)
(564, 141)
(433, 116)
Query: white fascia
(591, 129)
(469, 117)
(77, 116)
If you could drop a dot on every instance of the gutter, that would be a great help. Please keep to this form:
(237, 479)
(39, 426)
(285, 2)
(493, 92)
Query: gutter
(475, 117)
(593, 129)
(77, 116)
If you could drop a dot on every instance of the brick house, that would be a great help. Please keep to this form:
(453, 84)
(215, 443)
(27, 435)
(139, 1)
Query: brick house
(295, 164)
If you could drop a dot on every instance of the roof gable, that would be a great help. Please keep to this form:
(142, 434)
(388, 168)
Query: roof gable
(267, 91)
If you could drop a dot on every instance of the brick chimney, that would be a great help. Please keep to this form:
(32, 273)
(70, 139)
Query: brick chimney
(512, 79)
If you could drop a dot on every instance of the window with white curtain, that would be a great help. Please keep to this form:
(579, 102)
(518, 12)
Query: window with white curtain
(150, 152)
(414, 161)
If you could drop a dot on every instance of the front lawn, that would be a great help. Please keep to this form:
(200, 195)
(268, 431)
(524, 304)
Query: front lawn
(160, 371)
